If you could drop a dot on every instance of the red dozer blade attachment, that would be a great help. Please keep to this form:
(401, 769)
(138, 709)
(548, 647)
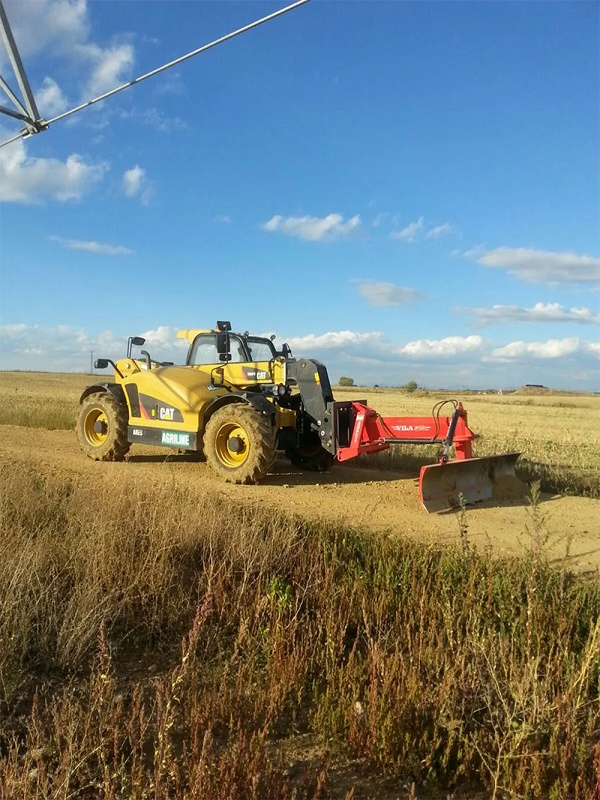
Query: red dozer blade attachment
(476, 479)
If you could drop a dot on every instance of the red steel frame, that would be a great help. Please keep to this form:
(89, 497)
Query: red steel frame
(372, 433)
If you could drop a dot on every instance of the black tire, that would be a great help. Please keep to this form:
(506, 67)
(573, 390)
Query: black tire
(102, 427)
(312, 458)
(240, 443)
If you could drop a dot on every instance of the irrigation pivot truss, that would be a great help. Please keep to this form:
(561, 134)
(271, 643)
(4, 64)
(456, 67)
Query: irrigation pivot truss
(26, 110)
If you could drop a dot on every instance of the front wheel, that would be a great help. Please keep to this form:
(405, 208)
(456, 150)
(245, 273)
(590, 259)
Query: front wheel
(310, 457)
(240, 443)
(102, 427)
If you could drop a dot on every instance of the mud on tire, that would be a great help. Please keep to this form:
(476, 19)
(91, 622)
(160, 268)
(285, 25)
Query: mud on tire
(240, 443)
(102, 427)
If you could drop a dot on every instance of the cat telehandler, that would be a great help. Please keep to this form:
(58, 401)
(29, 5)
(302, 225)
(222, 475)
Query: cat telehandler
(238, 401)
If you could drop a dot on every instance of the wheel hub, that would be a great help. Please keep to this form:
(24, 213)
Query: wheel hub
(100, 427)
(235, 444)
(95, 427)
(232, 444)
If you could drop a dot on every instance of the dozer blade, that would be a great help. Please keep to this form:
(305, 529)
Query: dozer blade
(476, 479)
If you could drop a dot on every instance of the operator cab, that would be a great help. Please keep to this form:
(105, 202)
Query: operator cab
(220, 346)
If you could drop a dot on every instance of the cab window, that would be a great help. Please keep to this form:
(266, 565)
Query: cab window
(205, 351)
(261, 349)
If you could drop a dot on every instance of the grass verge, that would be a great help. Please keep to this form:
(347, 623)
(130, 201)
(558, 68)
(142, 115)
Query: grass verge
(438, 666)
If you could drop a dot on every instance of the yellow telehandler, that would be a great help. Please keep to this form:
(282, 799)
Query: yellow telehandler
(238, 400)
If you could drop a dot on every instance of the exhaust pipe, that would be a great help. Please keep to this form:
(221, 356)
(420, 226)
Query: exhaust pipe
(476, 479)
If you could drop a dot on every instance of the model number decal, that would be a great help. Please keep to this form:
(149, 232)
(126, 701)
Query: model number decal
(137, 432)
(175, 439)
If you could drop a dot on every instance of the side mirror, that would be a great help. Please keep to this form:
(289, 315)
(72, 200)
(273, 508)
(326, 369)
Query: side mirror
(101, 363)
(138, 341)
(223, 345)
(286, 350)
(224, 356)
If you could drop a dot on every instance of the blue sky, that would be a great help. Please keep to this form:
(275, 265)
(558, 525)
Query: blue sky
(405, 190)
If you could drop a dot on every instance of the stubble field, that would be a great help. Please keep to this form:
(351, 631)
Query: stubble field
(164, 635)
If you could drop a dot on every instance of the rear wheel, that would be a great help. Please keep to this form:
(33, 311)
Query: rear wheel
(240, 443)
(310, 457)
(102, 427)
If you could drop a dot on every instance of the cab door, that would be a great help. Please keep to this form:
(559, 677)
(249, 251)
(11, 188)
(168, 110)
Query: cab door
(226, 358)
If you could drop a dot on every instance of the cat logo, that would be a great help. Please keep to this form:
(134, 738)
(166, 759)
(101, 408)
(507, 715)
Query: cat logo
(251, 374)
(166, 413)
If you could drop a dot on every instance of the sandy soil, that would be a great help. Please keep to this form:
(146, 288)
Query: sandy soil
(385, 502)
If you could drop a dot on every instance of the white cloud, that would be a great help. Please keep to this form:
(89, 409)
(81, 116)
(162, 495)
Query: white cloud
(553, 348)
(440, 230)
(314, 229)
(50, 99)
(110, 66)
(165, 336)
(136, 184)
(440, 348)
(368, 357)
(60, 348)
(67, 348)
(47, 25)
(132, 180)
(386, 294)
(333, 340)
(409, 233)
(61, 29)
(93, 247)
(541, 312)
(374, 345)
(224, 218)
(540, 266)
(24, 179)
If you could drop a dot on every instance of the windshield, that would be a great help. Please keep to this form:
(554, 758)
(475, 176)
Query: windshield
(261, 349)
(205, 350)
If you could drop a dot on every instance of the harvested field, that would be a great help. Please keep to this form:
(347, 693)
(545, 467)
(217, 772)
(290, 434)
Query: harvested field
(383, 501)
(558, 436)
(163, 634)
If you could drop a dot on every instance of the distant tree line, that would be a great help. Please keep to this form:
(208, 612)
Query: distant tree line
(410, 387)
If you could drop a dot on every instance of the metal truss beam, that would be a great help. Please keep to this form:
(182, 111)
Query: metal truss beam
(27, 110)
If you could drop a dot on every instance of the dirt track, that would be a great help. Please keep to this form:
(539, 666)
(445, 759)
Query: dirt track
(381, 501)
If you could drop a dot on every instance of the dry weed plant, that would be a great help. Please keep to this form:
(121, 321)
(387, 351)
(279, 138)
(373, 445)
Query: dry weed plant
(155, 647)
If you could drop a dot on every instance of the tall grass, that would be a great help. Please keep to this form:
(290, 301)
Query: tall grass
(154, 647)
